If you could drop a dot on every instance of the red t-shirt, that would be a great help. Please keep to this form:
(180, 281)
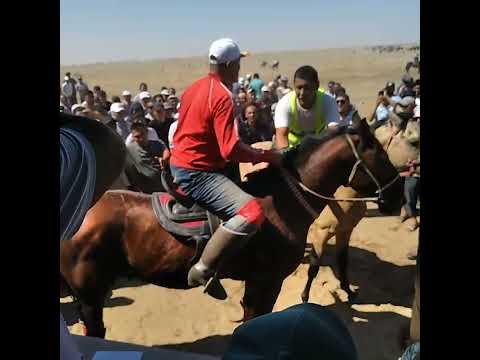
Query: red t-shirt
(206, 131)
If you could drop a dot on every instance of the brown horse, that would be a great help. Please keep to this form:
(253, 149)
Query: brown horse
(121, 233)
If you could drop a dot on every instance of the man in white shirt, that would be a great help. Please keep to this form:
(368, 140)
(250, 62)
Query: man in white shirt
(306, 110)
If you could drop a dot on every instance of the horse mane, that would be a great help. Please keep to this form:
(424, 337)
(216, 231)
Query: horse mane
(302, 152)
(260, 183)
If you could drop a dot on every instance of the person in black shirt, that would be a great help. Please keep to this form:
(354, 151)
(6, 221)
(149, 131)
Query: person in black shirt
(160, 123)
(146, 159)
(252, 129)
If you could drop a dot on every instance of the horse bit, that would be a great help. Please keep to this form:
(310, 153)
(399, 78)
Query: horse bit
(291, 180)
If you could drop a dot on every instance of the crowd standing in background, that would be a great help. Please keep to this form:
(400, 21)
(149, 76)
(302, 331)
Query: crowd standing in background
(261, 107)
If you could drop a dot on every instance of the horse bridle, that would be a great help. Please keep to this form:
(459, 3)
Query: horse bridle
(291, 180)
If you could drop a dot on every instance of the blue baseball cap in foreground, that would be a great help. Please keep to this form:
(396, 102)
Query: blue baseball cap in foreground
(301, 332)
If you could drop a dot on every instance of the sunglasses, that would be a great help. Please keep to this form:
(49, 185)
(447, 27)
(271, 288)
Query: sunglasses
(340, 102)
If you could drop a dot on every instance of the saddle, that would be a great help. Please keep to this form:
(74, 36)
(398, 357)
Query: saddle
(178, 214)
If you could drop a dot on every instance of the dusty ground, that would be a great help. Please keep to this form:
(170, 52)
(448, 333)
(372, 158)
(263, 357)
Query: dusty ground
(188, 320)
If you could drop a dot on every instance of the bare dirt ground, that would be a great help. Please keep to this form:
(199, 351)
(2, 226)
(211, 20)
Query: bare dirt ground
(191, 321)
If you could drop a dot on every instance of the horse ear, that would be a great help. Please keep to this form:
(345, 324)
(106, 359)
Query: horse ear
(360, 125)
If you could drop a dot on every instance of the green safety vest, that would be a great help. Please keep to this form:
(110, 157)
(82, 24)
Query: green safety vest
(295, 134)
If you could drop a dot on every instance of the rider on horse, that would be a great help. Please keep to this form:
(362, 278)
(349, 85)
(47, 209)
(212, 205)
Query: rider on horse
(307, 110)
(205, 139)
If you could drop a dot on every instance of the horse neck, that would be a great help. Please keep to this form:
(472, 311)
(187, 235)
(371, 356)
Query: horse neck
(328, 167)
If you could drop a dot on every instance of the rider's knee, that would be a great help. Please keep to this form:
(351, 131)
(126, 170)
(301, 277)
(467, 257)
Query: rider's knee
(253, 212)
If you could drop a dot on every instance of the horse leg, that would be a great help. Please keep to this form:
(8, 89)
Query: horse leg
(313, 268)
(318, 244)
(92, 316)
(342, 247)
(260, 297)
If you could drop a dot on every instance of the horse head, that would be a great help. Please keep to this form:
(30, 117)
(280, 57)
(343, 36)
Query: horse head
(351, 157)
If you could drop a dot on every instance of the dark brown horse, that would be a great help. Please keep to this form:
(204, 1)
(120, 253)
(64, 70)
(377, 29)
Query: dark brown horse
(121, 233)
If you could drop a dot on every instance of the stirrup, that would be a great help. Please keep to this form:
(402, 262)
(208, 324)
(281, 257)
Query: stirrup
(215, 289)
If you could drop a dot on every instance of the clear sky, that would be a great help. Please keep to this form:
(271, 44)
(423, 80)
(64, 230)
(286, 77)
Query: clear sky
(114, 30)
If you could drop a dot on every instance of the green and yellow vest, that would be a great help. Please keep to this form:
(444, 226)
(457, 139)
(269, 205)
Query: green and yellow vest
(295, 134)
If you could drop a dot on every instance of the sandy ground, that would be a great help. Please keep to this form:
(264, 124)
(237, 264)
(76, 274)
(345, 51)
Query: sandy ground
(188, 320)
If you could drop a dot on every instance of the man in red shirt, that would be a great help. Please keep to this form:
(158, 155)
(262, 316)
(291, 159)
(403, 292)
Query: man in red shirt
(205, 139)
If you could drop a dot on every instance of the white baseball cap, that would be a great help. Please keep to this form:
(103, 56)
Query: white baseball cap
(249, 76)
(144, 95)
(164, 92)
(117, 107)
(265, 88)
(77, 106)
(223, 51)
(126, 93)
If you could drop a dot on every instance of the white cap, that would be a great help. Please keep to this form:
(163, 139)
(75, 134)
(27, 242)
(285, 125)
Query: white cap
(241, 80)
(117, 107)
(265, 88)
(144, 95)
(249, 76)
(77, 106)
(164, 92)
(66, 78)
(171, 97)
(271, 84)
(224, 51)
(126, 93)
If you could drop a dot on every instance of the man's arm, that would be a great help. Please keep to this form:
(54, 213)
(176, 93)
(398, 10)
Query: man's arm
(281, 138)
(282, 122)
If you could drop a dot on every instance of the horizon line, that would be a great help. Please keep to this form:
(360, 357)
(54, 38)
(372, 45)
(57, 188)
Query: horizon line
(140, 60)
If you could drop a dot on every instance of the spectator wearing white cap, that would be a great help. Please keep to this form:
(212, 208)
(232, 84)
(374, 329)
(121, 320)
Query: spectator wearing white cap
(164, 94)
(119, 123)
(141, 88)
(68, 89)
(127, 100)
(173, 101)
(77, 109)
(144, 98)
(81, 88)
(248, 78)
(283, 88)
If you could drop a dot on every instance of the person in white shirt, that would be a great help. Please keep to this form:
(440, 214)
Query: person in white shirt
(306, 105)
(127, 100)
